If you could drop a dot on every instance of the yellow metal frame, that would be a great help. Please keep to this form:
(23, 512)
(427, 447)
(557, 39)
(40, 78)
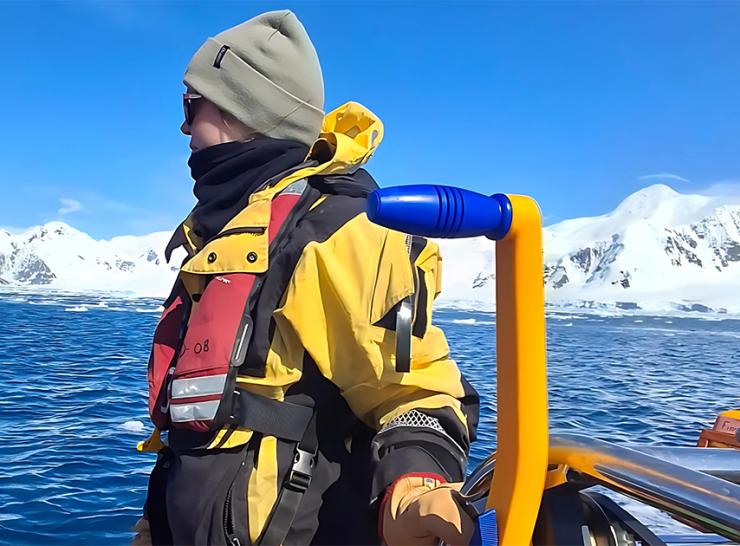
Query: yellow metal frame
(522, 453)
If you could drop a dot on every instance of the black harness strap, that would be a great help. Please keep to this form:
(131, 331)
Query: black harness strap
(295, 485)
(283, 420)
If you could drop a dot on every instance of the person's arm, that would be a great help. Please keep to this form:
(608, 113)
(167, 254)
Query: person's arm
(341, 304)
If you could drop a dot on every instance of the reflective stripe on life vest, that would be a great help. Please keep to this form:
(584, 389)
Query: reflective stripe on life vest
(198, 386)
(196, 411)
(184, 409)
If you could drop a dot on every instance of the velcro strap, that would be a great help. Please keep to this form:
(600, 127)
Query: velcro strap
(283, 420)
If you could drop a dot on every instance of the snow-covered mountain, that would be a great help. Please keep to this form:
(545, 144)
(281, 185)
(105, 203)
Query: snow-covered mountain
(657, 245)
(62, 257)
(657, 250)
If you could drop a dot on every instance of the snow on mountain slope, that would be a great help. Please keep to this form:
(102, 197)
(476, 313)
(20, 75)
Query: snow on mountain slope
(657, 246)
(65, 258)
(657, 205)
(467, 268)
(658, 250)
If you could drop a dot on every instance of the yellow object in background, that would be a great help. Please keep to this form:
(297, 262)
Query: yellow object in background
(724, 433)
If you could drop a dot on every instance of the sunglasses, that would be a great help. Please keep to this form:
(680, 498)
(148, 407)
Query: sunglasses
(188, 105)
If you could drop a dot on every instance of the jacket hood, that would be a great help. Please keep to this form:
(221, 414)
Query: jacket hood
(349, 136)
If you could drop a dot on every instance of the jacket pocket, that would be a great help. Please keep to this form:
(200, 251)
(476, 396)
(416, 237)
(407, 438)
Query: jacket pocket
(394, 280)
(206, 497)
(409, 269)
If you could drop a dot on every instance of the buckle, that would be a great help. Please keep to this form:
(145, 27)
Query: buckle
(165, 408)
(302, 470)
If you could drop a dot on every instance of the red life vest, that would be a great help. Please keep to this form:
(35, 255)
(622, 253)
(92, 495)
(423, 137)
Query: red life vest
(196, 356)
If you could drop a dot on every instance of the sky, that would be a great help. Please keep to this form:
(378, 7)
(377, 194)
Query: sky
(577, 104)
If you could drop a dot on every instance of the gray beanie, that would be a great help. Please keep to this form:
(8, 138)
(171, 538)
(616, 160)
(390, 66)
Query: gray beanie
(264, 72)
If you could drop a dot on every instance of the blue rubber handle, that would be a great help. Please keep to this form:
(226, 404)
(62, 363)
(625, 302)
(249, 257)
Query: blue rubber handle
(440, 211)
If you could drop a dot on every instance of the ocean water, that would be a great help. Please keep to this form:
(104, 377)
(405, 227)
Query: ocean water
(73, 403)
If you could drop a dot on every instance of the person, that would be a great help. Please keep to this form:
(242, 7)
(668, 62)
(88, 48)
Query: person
(304, 392)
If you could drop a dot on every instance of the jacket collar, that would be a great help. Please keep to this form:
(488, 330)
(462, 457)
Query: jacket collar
(349, 137)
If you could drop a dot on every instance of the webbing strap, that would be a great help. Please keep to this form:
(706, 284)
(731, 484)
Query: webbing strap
(294, 487)
(283, 420)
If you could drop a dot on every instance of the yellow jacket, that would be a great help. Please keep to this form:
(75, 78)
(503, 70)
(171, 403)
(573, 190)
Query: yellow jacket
(332, 307)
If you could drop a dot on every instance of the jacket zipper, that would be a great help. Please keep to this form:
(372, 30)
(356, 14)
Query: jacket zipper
(277, 246)
(287, 172)
(229, 520)
(234, 231)
(280, 241)
(229, 530)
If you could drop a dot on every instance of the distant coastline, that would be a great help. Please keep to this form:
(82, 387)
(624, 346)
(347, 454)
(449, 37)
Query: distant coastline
(659, 251)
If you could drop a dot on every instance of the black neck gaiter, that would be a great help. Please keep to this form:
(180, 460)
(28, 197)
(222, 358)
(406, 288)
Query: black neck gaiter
(226, 175)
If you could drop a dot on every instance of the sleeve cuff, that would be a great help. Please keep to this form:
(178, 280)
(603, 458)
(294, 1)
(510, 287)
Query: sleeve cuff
(405, 460)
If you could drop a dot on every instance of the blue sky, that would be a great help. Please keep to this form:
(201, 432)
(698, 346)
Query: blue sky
(577, 104)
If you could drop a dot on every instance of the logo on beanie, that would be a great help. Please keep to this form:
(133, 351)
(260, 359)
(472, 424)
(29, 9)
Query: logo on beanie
(220, 56)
